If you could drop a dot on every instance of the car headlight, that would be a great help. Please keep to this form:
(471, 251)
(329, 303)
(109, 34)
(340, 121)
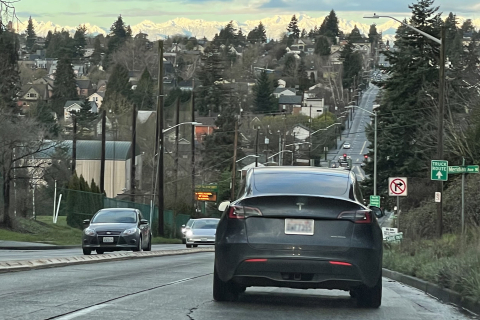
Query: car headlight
(189, 233)
(129, 231)
(90, 232)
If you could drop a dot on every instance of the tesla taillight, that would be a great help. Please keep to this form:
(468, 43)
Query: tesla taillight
(359, 216)
(340, 263)
(241, 212)
(256, 260)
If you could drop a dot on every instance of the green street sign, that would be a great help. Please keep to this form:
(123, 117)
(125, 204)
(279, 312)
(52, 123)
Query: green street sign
(439, 170)
(206, 188)
(375, 201)
(463, 169)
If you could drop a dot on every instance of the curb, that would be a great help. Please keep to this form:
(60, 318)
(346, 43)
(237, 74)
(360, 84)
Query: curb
(443, 294)
(27, 265)
(49, 247)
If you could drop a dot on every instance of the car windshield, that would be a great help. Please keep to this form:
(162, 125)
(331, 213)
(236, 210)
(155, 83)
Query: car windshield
(115, 217)
(210, 224)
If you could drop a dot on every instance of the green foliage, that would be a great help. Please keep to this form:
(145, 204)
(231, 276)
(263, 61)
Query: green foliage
(118, 93)
(9, 71)
(293, 28)
(355, 35)
(263, 90)
(43, 113)
(64, 88)
(176, 93)
(119, 34)
(304, 81)
(329, 27)
(96, 56)
(258, 34)
(322, 46)
(79, 41)
(82, 202)
(31, 35)
(290, 68)
(85, 118)
(143, 95)
(352, 65)
(60, 45)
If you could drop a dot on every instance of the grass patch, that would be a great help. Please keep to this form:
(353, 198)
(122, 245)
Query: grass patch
(161, 240)
(452, 262)
(43, 230)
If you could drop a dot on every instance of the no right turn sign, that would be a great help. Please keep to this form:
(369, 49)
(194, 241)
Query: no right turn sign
(397, 186)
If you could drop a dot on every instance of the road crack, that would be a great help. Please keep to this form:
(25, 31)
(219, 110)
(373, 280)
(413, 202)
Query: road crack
(191, 310)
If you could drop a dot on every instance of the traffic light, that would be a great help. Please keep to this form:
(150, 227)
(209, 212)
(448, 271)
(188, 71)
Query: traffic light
(365, 156)
(344, 156)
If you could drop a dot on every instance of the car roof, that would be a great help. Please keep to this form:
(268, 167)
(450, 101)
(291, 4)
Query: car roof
(299, 169)
(119, 209)
(196, 219)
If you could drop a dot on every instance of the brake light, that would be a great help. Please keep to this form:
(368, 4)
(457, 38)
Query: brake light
(340, 263)
(359, 216)
(241, 212)
(256, 260)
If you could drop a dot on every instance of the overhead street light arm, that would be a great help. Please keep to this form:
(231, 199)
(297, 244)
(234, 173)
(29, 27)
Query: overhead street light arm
(279, 153)
(406, 25)
(192, 123)
(353, 107)
(323, 129)
(250, 155)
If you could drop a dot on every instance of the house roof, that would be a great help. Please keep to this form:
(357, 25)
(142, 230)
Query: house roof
(280, 90)
(290, 100)
(41, 89)
(70, 103)
(143, 116)
(90, 149)
(84, 84)
(302, 126)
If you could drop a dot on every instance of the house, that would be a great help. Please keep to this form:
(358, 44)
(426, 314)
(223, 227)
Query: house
(31, 94)
(102, 85)
(170, 57)
(301, 132)
(312, 107)
(204, 129)
(97, 97)
(185, 85)
(79, 70)
(84, 88)
(287, 103)
(76, 105)
(309, 49)
(284, 92)
(118, 156)
(45, 63)
(47, 81)
(134, 76)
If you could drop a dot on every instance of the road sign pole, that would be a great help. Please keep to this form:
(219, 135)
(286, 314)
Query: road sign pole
(463, 198)
(398, 212)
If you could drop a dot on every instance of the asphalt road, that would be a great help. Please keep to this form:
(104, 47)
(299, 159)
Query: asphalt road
(9, 255)
(356, 135)
(180, 287)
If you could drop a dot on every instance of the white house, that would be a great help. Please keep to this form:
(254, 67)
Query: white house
(301, 132)
(97, 97)
(313, 107)
(72, 105)
(284, 92)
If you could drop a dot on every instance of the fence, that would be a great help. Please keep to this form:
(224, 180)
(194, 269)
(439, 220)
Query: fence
(80, 205)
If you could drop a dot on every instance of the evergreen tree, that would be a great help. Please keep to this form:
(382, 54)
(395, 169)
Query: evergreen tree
(261, 33)
(290, 68)
(303, 35)
(303, 79)
(60, 45)
(65, 87)
(118, 36)
(9, 72)
(373, 34)
(322, 46)
(96, 57)
(293, 28)
(31, 35)
(240, 38)
(143, 95)
(329, 27)
(118, 93)
(263, 91)
(48, 38)
(253, 35)
(352, 65)
(355, 35)
(85, 117)
(226, 36)
(43, 113)
(79, 41)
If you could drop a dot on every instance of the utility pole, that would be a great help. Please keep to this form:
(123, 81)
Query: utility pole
(177, 132)
(132, 163)
(160, 143)
(74, 144)
(280, 159)
(193, 143)
(256, 149)
(102, 155)
(232, 195)
(441, 99)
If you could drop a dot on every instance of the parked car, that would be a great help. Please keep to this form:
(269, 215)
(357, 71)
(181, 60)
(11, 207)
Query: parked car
(184, 229)
(299, 227)
(202, 231)
(116, 229)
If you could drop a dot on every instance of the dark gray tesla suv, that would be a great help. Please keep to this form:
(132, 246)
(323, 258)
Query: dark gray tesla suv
(299, 227)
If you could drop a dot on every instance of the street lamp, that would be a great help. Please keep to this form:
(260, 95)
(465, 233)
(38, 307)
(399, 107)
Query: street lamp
(179, 124)
(441, 99)
(273, 155)
(250, 155)
(374, 113)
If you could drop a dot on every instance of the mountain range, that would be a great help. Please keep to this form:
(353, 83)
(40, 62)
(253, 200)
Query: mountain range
(275, 27)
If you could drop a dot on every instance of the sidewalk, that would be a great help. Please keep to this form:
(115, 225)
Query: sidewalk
(18, 245)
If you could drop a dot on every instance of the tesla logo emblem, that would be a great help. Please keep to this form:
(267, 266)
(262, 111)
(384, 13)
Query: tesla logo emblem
(300, 205)
(108, 232)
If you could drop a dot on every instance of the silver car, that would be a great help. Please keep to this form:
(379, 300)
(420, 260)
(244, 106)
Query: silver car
(184, 229)
(202, 231)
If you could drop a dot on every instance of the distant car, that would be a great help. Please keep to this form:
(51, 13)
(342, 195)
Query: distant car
(346, 145)
(202, 231)
(116, 229)
(299, 227)
(184, 229)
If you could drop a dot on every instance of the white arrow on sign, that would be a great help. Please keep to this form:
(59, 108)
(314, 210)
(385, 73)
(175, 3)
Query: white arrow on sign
(439, 175)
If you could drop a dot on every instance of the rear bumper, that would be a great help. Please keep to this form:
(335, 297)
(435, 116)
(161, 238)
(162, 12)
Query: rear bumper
(305, 270)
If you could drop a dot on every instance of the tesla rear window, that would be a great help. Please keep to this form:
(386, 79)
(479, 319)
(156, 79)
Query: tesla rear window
(301, 183)
(115, 217)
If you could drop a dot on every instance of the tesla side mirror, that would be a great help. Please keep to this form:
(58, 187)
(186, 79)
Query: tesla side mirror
(223, 205)
(86, 221)
(144, 221)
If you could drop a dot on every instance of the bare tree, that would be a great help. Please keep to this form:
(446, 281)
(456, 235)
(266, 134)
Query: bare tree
(7, 11)
(136, 56)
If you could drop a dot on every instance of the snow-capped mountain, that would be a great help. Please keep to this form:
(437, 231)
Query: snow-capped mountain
(275, 27)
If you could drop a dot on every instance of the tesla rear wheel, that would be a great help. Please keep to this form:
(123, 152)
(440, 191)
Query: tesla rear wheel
(139, 245)
(100, 251)
(87, 252)
(370, 297)
(224, 291)
(188, 245)
(195, 245)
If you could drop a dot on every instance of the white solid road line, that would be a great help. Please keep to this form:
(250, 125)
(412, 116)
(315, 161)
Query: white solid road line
(363, 147)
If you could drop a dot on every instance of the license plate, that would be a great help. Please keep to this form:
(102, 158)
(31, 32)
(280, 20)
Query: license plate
(204, 239)
(299, 226)
(107, 239)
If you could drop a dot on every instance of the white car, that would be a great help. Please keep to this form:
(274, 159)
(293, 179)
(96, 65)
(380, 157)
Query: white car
(346, 145)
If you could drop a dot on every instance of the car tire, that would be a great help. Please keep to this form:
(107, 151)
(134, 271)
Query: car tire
(139, 246)
(195, 245)
(224, 291)
(188, 245)
(184, 241)
(370, 297)
(87, 252)
(99, 251)
(149, 247)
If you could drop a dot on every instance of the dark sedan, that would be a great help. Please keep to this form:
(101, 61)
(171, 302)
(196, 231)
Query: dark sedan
(116, 229)
(299, 227)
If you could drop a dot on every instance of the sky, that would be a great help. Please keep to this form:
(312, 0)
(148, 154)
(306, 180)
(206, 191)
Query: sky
(104, 13)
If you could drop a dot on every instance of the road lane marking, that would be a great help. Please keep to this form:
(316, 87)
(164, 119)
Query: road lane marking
(363, 147)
